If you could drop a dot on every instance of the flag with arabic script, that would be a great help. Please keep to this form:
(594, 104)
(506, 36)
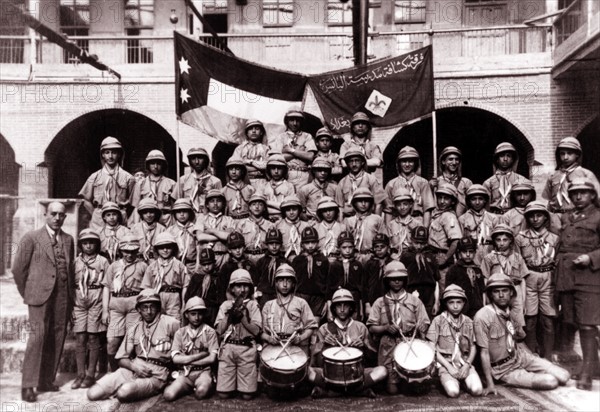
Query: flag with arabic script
(391, 91)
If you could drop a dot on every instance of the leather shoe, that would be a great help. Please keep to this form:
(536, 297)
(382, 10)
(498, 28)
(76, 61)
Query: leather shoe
(88, 381)
(28, 395)
(48, 387)
(585, 382)
(77, 383)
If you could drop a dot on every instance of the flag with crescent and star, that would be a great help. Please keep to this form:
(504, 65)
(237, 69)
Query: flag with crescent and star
(217, 92)
(392, 91)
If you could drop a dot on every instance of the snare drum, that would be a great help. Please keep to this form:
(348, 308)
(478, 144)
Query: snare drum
(343, 367)
(416, 364)
(285, 371)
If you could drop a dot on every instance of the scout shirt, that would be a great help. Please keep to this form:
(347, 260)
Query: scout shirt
(515, 219)
(186, 243)
(122, 277)
(161, 189)
(349, 183)
(452, 338)
(461, 184)
(364, 228)
(238, 331)
(292, 236)
(219, 222)
(347, 274)
(510, 262)
(478, 226)
(328, 235)
(580, 235)
(195, 187)
(556, 189)
(537, 248)
(151, 341)
(89, 271)
(255, 232)
(164, 273)
(355, 331)
(368, 148)
(494, 331)
(300, 141)
(146, 234)
(499, 185)
(443, 229)
(257, 152)
(110, 237)
(399, 229)
(190, 341)
(311, 273)
(334, 159)
(284, 316)
(276, 191)
(419, 190)
(237, 195)
(311, 193)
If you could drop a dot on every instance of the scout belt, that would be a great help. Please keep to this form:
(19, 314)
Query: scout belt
(497, 211)
(238, 216)
(154, 361)
(298, 168)
(91, 287)
(502, 361)
(545, 268)
(254, 251)
(247, 341)
(170, 289)
(124, 294)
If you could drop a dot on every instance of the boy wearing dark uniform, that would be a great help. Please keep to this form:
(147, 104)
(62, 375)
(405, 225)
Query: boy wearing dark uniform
(204, 283)
(346, 272)
(467, 275)
(237, 260)
(143, 356)
(266, 267)
(501, 357)
(196, 184)
(373, 278)
(194, 351)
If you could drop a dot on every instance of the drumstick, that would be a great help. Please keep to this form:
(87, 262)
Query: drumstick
(411, 342)
(293, 335)
(343, 348)
(410, 349)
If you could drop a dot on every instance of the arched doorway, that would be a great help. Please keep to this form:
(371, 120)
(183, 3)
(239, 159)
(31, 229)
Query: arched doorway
(590, 144)
(9, 189)
(475, 132)
(74, 154)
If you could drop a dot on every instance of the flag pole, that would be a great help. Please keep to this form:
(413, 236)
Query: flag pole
(435, 158)
(177, 148)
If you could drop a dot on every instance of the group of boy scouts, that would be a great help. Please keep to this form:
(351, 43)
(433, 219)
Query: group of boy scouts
(178, 286)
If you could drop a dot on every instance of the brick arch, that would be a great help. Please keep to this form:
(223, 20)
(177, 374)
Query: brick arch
(474, 130)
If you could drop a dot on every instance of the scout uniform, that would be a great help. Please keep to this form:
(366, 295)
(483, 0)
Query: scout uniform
(495, 331)
(217, 221)
(298, 169)
(457, 180)
(468, 277)
(511, 264)
(151, 344)
(478, 225)
(147, 233)
(351, 183)
(311, 194)
(266, 267)
(87, 308)
(370, 150)
(190, 341)
(454, 339)
(291, 231)
(364, 227)
(500, 184)
(418, 186)
(328, 232)
(108, 185)
(346, 273)
(195, 186)
(405, 311)
(330, 156)
(556, 189)
(399, 228)
(237, 355)
(254, 154)
(237, 194)
(161, 189)
(254, 229)
(110, 236)
(184, 235)
(205, 285)
(374, 268)
(169, 278)
(234, 240)
(515, 217)
(277, 190)
(579, 285)
(123, 280)
(538, 249)
(311, 274)
(284, 316)
(423, 273)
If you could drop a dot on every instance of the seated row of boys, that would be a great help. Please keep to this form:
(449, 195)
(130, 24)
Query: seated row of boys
(156, 344)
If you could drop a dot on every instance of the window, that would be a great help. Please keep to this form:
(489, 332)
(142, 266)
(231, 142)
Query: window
(278, 12)
(12, 49)
(75, 21)
(214, 6)
(409, 11)
(139, 21)
(338, 13)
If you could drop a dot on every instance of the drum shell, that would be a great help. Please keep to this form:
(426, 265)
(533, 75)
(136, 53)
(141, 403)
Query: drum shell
(343, 373)
(281, 378)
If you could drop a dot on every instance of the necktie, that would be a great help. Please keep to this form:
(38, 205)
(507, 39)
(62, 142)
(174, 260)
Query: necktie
(381, 268)
(420, 259)
(53, 239)
(205, 284)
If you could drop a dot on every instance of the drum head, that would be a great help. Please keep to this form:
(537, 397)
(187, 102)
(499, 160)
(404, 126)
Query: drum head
(419, 357)
(296, 358)
(340, 354)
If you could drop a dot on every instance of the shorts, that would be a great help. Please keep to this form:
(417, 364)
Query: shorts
(194, 379)
(237, 369)
(87, 312)
(123, 314)
(446, 377)
(171, 304)
(586, 308)
(526, 369)
(144, 387)
(539, 294)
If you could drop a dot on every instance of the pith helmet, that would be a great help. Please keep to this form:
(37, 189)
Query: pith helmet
(569, 143)
(147, 295)
(478, 189)
(360, 117)
(362, 193)
(182, 204)
(537, 206)
(320, 163)
(276, 159)
(395, 269)
(240, 276)
(454, 291)
(290, 201)
(194, 303)
(450, 150)
(327, 202)
(323, 132)
(257, 197)
(147, 204)
(155, 155)
(354, 153)
(342, 295)
(504, 147)
(403, 193)
(235, 161)
(164, 238)
(285, 271)
(110, 143)
(499, 280)
(110, 207)
(582, 184)
(297, 113)
(212, 193)
(408, 152)
(129, 243)
(198, 151)
(501, 228)
(254, 122)
(88, 234)
(447, 189)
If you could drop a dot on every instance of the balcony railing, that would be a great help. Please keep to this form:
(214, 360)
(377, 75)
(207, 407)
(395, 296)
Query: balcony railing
(577, 25)
(278, 49)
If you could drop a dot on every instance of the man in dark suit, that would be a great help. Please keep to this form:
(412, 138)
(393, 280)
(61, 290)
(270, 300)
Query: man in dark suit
(43, 272)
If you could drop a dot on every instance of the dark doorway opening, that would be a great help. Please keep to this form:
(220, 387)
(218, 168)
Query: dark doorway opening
(590, 144)
(9, 190)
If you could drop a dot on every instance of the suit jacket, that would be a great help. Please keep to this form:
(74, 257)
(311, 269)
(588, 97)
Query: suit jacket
(34, 267)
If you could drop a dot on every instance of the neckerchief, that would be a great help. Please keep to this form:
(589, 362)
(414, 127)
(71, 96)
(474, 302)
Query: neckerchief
(470, 269)
(346, 266)
(148, 335)
(271, 269)
(294, 237)
(238, 262)
(153, 185)
(164, 267)
(213, 221)
(504, 188)
(355, 181)
(455, 328)
(420, 260)
(362, 145)
(403, 231)
(343, 331)
(283, 311)
(120, 279)
(563, 185)
(276, 185)
(113, 178)
(183, 238)
(543, 252)
(193, 335)
(206, 282)
(309, 263)
(504, 318)
(483, 230)
(503, 259)
(89, 274)
(149, 231)
(396, 304)
(237, 203)
(330, 242)
(452, 179)
(112, 241)
(199, 190)
(407, 182)
(250, 150)
(257, 230)
(359, 230)
(381, 267)
(293, 137)
(321, 187)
